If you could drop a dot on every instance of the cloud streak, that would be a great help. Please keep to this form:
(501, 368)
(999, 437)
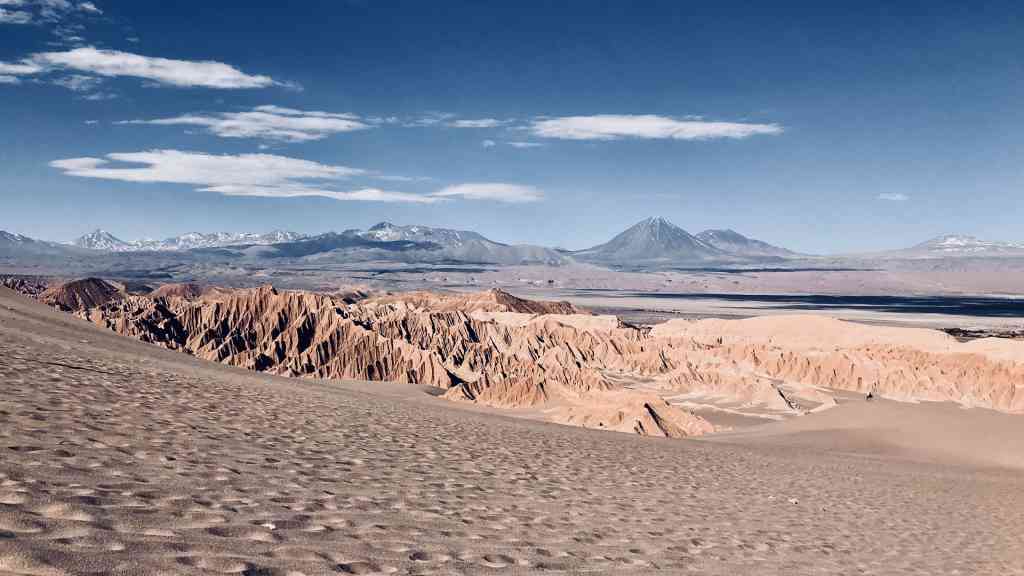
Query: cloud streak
(15, 17)
(493, 191)
(267, 122)
(893, 197)
(270, 176)
(478, 123)
(262, 175)
(644, 126)
(159, 71)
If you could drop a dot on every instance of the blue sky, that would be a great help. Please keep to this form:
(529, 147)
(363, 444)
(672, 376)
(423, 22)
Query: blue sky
(820, 126)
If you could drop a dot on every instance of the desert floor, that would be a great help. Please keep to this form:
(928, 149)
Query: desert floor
(122, 458)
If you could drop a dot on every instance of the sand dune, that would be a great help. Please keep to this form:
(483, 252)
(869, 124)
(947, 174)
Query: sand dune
(122, 458)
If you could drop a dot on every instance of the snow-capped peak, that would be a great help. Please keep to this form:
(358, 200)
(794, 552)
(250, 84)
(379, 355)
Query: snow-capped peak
(102, 240)
(966, 243)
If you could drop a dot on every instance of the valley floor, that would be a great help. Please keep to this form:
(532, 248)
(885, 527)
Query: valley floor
(122, 458)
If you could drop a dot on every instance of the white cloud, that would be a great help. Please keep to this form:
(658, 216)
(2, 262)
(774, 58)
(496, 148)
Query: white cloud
(400, 178)
(264, 175)
(22, 68)
(184, 73)
(79, 83)
(496, 191)
(893, 197)
(268, 122)
(616, 126)
(203, 169)
(362, 194)
(159, 71)
(430, 119)
(98, 96)
(526, 144)
(5, 79)
(14, 17)
(488, 143)
(479, 123)
(48, 11)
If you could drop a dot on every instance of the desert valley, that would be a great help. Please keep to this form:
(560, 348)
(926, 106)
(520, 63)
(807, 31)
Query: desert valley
(399, 402)
(484, 288)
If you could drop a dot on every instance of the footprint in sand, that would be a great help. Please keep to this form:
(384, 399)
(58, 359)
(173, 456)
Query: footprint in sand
(422, 556)
(497, 560)
(64, 512)
(243, 532)
(364, 568)
(13, 498)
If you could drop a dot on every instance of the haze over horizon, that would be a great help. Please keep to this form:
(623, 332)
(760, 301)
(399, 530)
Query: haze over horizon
(819, 128)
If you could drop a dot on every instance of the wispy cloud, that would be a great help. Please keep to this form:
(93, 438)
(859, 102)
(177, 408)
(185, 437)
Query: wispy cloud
(429, 119)
(158, 71)
(299, 191)
(264, 175)
(495, 191)
(43, 11)
(893, 197)
(23, 68)
(268, 122)
(5, 79)
(14, 16)
(514, 144)
(478, 123)
(79, 82)
(649, 126)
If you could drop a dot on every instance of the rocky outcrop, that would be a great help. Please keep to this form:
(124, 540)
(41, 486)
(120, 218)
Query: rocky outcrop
(897, 363)
(187, 291)
(495, 300)
(27, 285)
(80, 295)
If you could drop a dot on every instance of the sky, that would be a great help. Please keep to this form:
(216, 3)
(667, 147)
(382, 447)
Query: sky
(824, 127)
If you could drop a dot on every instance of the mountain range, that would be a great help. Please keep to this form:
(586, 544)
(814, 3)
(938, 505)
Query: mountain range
(652, 243)
(965, 245)
(102, 240)
(658, 242)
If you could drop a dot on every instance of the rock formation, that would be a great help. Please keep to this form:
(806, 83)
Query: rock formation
(447, 341)
(78, 295)
(495, 349)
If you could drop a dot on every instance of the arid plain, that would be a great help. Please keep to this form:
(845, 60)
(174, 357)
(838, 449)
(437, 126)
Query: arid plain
(123, 458)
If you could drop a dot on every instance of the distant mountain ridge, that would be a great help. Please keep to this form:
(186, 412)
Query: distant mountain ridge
(651, 244)
(411, 244)
(961, 243)
(17, 245)
(737, 244)
(100, 239)
(657, 242)
(649, 240)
